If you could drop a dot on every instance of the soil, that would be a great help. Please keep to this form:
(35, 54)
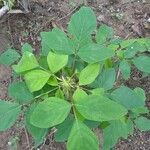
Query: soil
(129, 18)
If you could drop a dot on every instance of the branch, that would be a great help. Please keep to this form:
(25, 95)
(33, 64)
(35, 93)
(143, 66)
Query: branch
(4, 10)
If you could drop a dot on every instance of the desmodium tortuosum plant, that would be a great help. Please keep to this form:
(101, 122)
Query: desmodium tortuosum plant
(72, 86)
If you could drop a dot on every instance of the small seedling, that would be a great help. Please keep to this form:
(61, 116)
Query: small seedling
(72, 85)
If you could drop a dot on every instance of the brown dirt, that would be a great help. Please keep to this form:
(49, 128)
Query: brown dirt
(129, 18)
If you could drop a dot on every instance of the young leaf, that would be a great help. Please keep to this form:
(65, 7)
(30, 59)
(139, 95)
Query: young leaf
(56, 61)
(82, 138)
(37, 133)
(20, 93)
(52, 81)
(78, 94)
(27, 62)
(127, 97)
(116, 130)
(50, 112)
(27, 47)
(36, 79)
(8, 114)
(125, 69)
(89, 74)
(93, 53)
(104, 33)
(82, 24)
(96, 108)
(142, 123)
(59, 93)
(9, 57)
(105, 80)
(142, 63)
(57, 41)
(63, 129)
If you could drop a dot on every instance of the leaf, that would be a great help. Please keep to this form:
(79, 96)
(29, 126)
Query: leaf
(78, 94)
(9, 57)
(105, 80)
(56, 62)
(27, 47)
(37, 133)
(104, 34)
(8, 114)
(63, 129)
(98, 91)
(36, 79)
(142, 63)
(96, 108)
(50, 112)
(141, 93)
(142, 123)
(27, 62)
(125, 69)
(89, 74)
(116, 130)
(57, 41)
(93, 53)
(81, 25)
(20, 93)
(52, 81)
(82, 138)
(127, 97)
(59, 93)
(132, 49)
(43, 62)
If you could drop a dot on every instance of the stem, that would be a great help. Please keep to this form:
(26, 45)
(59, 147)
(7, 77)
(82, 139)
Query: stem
(45, 93)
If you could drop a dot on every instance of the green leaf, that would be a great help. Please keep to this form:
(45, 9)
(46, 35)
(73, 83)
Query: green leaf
(27, 47)
(82, 138)
(20, 93)
(36, 79)
(9, 57)
(52, 81)
(93, 53)
(56, 61)
(89, 74)
(8, 114)
(142, 123)
(125, 69)
(104, 34)
(96, 108)
(141, 93)
(79, 94)
(81, 25)
(37, 133)
(98, 91)
(50, 112)
(27, 62)
(57, 41)
(63, 129)
(133, 49)
(127, 97)
(105, 80)
(140, 110)
(59, 93)
(142, 63)
(116, 130)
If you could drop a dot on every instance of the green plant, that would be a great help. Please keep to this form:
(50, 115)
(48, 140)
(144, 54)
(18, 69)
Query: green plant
(72, 85)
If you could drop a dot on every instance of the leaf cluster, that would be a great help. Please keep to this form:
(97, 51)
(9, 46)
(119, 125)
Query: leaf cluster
(72, 85)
